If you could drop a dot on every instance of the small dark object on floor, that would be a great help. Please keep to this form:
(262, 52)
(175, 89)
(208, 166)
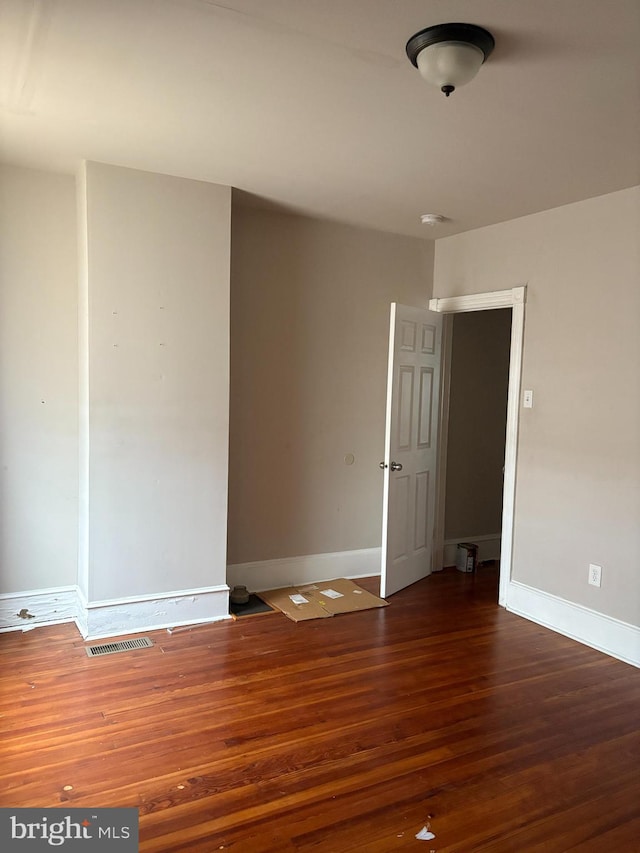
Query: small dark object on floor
(239, 595)
(254, 606)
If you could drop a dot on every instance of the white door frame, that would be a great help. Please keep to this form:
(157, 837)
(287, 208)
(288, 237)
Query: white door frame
(515, 299)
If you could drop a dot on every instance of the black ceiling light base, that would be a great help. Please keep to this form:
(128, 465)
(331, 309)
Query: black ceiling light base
(465, 33)
(449, 55)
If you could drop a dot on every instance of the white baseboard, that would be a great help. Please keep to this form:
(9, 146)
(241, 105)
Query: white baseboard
(293, 571)
(99, 619)
(22, 611)
(488, 547)
(611, 636)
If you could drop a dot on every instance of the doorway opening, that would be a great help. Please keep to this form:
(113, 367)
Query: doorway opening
(477, 416)
(513, 298)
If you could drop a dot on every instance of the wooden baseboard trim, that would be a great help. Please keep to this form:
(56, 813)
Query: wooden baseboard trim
(113, 618)
(292, 571)
(611, 636)
(23, 611)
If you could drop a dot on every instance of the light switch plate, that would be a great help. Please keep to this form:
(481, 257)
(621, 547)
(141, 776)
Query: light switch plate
(528, 400)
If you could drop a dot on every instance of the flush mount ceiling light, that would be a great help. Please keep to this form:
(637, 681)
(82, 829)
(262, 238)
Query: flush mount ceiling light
(450, 55)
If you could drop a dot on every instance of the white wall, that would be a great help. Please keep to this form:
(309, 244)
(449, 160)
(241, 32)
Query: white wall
(38, 381)
(578, 472)
(155, 328)
(309, 332)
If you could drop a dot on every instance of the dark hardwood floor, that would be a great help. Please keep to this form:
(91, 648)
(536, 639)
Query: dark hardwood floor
(342, 734)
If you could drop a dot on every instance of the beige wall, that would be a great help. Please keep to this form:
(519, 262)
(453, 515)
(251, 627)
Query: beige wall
(38, 381)
(309, 331)
(310, 308)
(578, 471)
(155, 400)
(477, 422)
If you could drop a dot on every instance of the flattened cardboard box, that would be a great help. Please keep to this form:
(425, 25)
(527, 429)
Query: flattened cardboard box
(321, 600)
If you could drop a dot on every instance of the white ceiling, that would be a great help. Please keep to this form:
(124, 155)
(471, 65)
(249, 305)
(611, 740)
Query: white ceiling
(313, 106)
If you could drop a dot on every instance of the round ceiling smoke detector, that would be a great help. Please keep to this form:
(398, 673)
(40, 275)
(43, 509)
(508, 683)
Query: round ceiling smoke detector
(432, 218)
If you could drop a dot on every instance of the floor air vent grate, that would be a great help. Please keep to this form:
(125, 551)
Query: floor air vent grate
(121, 646)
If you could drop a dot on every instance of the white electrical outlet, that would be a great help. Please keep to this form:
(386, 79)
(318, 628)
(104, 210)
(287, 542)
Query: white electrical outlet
(528, 399)
(595, 574)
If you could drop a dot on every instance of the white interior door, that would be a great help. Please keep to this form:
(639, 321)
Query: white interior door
(411, 444)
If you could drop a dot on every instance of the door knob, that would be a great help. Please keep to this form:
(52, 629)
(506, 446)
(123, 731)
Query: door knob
(383, 465)
(396, 466)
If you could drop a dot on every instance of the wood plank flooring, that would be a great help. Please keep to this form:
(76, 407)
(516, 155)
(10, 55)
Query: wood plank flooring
(342, 734)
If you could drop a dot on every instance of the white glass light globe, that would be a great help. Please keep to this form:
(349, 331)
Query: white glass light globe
(450, 63)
